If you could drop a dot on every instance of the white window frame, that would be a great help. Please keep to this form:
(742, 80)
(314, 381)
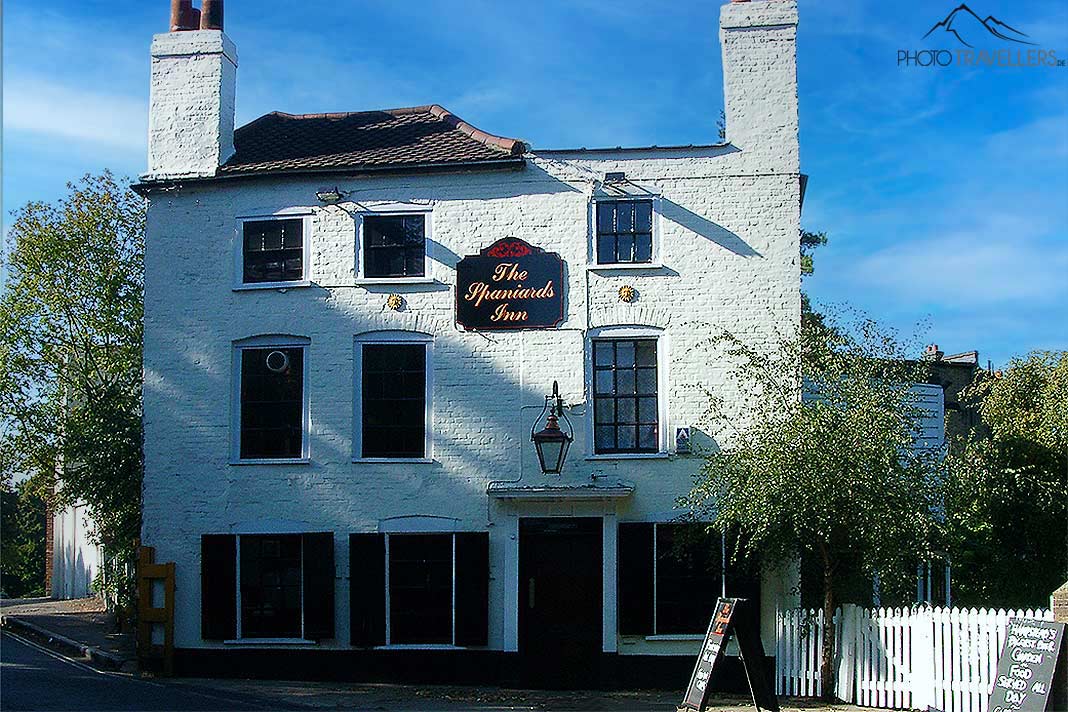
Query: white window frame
(305, 216)
(267, 341)
(395, 210)
(240, 640)
(665, 445)
(655, 260)
(389, 618)
(378, 338)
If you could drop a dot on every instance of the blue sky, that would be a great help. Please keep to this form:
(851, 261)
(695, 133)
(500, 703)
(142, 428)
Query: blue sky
(944, 190)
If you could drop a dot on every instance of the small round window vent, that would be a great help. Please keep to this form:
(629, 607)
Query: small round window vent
(278, 361)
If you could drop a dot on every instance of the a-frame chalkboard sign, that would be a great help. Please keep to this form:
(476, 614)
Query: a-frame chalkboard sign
(733, 616)
(1026, 668)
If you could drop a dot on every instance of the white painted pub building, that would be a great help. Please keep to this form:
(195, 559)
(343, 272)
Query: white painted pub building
(352, 322)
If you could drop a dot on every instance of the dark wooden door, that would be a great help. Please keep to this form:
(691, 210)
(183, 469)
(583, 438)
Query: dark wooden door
(560, 606)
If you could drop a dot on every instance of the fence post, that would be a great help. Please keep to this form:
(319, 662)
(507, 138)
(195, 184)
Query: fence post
(921, 679)
(847, 654)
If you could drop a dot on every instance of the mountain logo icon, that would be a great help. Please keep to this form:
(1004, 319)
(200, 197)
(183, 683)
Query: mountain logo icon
(965, 25)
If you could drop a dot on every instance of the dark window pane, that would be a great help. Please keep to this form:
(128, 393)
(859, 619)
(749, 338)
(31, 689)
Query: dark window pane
(273, 251)
(626, 410)
(605, 217)
(647, 437)
(394, 245)
(625, 217)
(625, 381)
(604, 438)
(420, 588)
(643, 247)
(625, 437)
(646, 383)
(604, 382)
(624, 354)
(603, 353)
(645, 352)
(272, 402)
(643, 216)
(606, 248)
(625, 248)
(270, 586)
(604, 410)
(647, 410)
(394, 400)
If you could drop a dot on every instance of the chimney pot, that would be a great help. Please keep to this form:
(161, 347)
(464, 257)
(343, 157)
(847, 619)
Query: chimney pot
(182, 15)
(211, 15)
(194, 19)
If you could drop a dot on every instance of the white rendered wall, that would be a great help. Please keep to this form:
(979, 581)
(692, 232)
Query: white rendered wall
(75, 558)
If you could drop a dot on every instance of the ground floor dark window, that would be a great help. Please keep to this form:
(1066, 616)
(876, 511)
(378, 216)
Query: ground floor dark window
(671, 574)
(271, 586)
(420, 588)
(256, 586)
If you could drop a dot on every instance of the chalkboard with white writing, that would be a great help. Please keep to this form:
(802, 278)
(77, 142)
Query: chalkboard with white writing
(1028, 660)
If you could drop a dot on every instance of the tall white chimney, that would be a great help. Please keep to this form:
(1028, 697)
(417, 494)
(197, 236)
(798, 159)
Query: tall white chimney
(759, 41)
(193, 86)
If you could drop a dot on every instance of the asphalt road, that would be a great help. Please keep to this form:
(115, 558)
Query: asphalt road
(32, 678)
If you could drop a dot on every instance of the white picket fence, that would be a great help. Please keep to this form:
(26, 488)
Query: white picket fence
(897, 658)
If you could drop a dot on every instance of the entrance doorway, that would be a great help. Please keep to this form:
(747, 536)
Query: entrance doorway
(560, 606)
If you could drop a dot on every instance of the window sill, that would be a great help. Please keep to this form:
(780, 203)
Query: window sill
(280, 286)
(372, 281)
(631, 456)
(270, 641)
(614, 267)
(419, 646)
(271, 461)
(675, 636)
(392, 460)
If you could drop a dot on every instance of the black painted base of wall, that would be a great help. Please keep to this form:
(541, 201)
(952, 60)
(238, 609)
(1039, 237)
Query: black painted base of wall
(450, 667)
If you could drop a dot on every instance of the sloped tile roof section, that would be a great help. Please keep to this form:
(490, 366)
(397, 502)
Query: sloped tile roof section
(420, 136)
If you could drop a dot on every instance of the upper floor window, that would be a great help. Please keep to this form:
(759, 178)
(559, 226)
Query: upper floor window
(392, 401)
(273, 250)
(394, 246)
(625, 396)
(272, 412)
(624, 231)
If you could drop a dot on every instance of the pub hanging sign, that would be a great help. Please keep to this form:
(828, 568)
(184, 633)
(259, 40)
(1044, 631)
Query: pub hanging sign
(510, 285)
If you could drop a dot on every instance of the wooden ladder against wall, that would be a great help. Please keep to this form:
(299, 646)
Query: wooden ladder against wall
(155, 612)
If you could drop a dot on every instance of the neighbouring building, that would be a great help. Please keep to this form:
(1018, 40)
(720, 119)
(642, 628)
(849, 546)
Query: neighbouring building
(72, 558)
(352, 321)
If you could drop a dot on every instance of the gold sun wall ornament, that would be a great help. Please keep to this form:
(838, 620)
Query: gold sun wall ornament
(627, 294)
(395, 302)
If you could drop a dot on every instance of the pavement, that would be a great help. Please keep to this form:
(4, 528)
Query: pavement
(64, 655)
(81, 628)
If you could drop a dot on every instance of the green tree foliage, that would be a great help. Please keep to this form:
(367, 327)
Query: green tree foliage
(1006, 505)
(70, 354)
(833, 476)
(22, 541)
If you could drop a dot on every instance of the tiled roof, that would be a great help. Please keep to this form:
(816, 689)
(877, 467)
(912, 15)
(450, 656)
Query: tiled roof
(393, 138)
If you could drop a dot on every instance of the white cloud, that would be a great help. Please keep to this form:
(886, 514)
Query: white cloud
(995, 265)
(42, 107)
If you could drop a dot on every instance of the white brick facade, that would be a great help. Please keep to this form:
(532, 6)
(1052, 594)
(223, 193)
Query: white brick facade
(728, 240)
